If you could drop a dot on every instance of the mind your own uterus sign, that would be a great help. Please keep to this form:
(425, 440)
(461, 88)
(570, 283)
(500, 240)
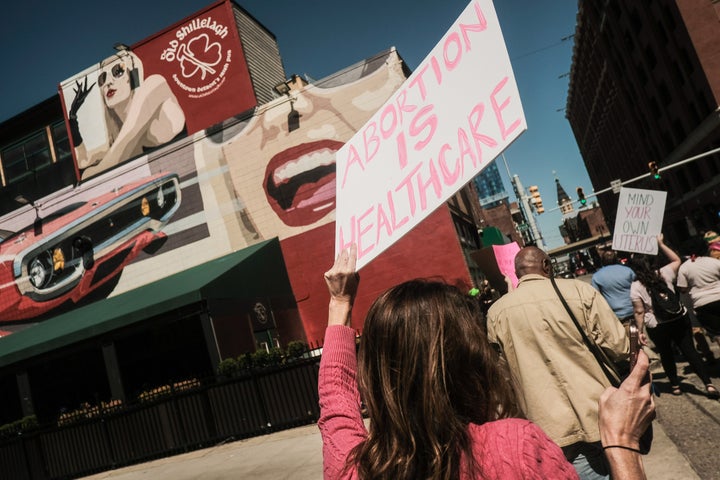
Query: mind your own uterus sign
(458, 111)
(638, 220)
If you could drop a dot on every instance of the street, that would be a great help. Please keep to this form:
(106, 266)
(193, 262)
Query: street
(691, 421)
(684, 448)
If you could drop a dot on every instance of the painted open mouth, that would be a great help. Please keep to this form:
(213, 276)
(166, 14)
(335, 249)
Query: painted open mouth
(300, 182)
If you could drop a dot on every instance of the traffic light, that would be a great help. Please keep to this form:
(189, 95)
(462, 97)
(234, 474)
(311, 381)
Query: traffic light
(535, 199)
(653, 166)
(581, 196)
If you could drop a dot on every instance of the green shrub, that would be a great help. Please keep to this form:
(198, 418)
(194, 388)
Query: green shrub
(275, 357)
(296, 349)
(228, 367)
(245, 361)
(13, 428)
(260, 359)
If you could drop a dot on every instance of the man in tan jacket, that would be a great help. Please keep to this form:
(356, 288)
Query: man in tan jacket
(558, 379)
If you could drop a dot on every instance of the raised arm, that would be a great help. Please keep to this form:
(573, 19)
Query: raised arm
(342, 283)
(639, 314)
(675, 260)
(341, 425)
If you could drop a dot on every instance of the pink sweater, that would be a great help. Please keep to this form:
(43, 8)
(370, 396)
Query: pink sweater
(504, 449)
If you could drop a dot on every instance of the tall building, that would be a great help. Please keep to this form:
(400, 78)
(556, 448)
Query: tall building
(490, 186)
(497, 211)
(645, 87)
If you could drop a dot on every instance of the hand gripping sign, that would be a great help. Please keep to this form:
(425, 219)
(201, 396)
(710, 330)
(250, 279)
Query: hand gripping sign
(456, 113)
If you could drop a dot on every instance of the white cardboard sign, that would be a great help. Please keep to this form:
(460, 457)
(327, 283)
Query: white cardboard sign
(458, 110)
(638, 220)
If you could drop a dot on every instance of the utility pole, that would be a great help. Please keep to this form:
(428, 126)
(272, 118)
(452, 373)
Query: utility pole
(526, 211)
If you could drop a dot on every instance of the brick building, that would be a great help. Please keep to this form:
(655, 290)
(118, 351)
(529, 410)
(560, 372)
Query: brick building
(644, 87)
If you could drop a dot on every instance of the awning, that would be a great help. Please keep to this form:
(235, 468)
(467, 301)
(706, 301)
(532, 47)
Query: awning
(255, 271)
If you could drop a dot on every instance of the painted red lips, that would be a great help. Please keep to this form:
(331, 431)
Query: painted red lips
(300, 182)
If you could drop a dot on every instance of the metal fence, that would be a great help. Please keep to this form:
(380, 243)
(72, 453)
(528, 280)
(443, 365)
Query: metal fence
(250, 405)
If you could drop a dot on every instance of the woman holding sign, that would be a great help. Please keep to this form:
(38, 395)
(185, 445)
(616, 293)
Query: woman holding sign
(659, 308)
(441, 405)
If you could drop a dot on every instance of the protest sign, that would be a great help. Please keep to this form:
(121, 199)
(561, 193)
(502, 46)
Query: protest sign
(456, 113)
(496, 262)
(638, 220)
(505, 258)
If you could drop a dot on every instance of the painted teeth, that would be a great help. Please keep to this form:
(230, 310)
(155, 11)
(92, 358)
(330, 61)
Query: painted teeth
(304, 163)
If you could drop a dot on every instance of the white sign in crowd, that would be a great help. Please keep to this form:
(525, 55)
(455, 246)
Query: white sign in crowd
(638, 220)
(457, 112)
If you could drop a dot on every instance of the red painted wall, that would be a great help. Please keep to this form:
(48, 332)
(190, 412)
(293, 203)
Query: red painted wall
(430, 250)
(203, 61)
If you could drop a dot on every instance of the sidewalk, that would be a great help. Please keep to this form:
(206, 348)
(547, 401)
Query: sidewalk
(297, 454)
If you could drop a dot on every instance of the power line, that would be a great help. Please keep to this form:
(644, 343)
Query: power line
(542, 49)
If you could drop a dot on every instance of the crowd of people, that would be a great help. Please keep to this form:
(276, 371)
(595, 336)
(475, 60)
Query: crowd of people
(534, 383)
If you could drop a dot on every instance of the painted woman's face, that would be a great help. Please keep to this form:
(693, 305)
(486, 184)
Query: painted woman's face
(286, 179)
(114, 83)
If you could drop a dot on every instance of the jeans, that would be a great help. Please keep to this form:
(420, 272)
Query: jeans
(589, 461)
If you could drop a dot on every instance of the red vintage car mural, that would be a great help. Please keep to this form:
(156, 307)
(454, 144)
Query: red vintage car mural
(78, 252)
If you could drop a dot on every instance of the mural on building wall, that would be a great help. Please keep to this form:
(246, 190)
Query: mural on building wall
(188, 77)
(77, 253)
(245, 181)
(137, 112)
(285, 177)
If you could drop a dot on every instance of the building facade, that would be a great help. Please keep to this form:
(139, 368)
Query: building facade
(234, 182)
(644, 87)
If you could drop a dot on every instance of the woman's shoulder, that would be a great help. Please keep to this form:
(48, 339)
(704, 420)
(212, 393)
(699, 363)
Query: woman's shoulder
(522, 444)
(517, 427)
(636, 287)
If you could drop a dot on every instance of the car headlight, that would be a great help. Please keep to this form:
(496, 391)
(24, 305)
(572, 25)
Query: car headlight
(40, 271)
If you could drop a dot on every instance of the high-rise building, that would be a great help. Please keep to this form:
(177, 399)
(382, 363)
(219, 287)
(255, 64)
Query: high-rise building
(645, 87)
(490, 186)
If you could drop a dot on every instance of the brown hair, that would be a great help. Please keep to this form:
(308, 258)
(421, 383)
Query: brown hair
(426, 370)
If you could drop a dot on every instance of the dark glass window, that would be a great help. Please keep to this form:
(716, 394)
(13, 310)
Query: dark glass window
(668, 18)
(642, 75)
(629, 42)
(650, 57)
(635, 20)
(654, 107)
(26, 156)
(686, 61)
(679, 130)
(60, 142)
(664, 92)
(660, 30)
(683, 180)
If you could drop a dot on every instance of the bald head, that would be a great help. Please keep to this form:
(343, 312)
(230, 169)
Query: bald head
(532, 260)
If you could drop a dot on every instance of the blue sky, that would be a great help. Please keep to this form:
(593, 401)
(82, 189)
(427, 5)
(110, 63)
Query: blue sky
(45, 42)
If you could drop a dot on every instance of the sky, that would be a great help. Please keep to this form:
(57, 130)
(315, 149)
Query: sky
(44, 42)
